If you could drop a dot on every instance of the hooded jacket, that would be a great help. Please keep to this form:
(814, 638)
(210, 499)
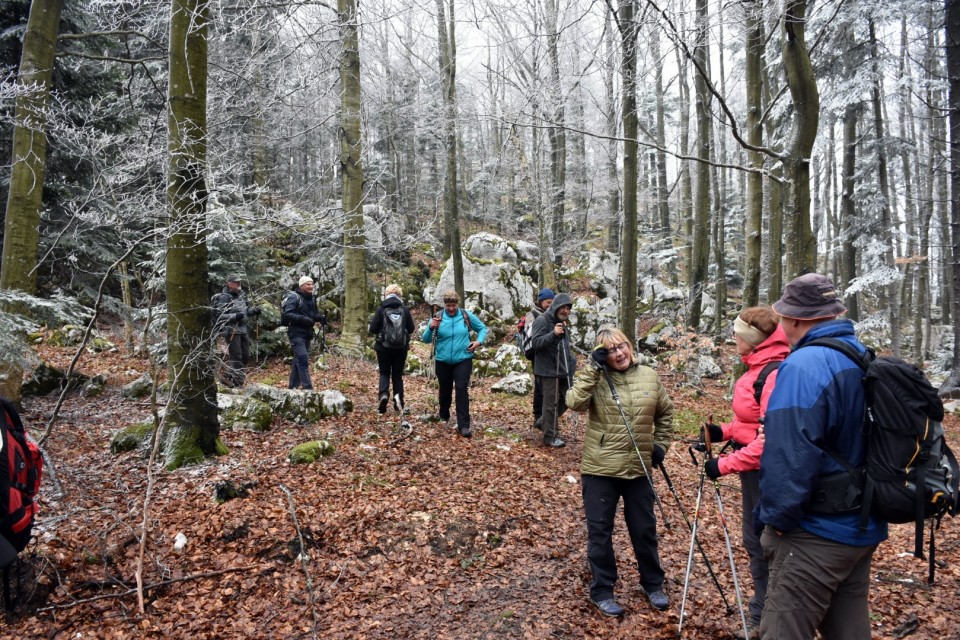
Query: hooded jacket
(607, 448)
(300, 312)
(376, 324)
(818, 401)
(553, 357)
(746, 411)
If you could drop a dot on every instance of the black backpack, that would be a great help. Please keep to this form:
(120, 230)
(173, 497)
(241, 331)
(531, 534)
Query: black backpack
(910, 474)
(393, 335)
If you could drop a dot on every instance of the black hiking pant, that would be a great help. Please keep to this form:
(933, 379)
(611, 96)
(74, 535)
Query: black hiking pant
(455, 376)
(391, 363)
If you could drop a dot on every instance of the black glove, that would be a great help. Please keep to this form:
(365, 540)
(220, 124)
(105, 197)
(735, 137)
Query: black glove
(239, 317)
(254, 311)
(716, 432)
(322, 318)
(599, 357)
(712, 467)
(657, 456)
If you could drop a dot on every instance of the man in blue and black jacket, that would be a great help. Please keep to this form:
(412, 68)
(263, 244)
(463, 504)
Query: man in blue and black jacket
(819, 560)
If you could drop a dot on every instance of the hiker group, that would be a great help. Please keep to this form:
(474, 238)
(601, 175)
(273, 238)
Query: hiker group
(821, 471)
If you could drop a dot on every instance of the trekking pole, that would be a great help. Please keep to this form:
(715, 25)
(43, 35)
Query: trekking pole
(686, 519)
(643, 465)
(576, 418)
(693, 537)
(726, 537)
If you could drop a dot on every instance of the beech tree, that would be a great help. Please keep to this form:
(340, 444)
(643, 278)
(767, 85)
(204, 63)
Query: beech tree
(191, 426)
(25, 197)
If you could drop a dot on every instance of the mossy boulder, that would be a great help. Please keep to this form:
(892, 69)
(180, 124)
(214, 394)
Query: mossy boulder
(238, 412)
(302, 407)
(132, 438)
(139, 388)
(94, 387)
(310, 451)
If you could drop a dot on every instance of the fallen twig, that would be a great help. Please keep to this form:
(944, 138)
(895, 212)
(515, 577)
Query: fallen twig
(157, 585)
(303, 559)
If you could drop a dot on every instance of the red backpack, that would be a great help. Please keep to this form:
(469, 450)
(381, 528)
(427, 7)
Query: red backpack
(21, 468)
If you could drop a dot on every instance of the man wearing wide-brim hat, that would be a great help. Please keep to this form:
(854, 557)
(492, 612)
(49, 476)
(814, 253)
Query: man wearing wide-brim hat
(819, 559)
(232, 310)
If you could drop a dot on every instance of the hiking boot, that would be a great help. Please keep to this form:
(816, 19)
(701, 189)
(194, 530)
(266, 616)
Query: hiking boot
(466, 432)
(556, 443)
(658, 599)
(753, 628)
(382, 407)
(609, 607)
(397, 406)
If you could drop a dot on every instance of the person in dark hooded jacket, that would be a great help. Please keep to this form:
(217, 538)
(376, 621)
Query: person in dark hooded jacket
(391, 358)
(553, 364)
(299, 314)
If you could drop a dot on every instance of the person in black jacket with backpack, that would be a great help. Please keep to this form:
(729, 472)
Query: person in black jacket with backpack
(299, 314)
(393, 325)
(232, 309)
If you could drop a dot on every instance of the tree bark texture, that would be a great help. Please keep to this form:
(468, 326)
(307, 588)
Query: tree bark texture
(192, 429)
(700, 256)
(754, 205)
(628, 233)
(448, 73)
(952, 41)
(801, 248)
(351, 172)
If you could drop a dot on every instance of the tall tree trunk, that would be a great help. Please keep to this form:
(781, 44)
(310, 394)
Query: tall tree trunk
(557, 131)
(351, 172)
(800, 243)
(952, 42)
(448, 73)
(889, 297)
(29, 160)
(628, 233)
(686, 182)
(774, 238)
(613, 129)
(848, 209)
(662, 191)
(754, 204)
(701, 200)
(192, 430)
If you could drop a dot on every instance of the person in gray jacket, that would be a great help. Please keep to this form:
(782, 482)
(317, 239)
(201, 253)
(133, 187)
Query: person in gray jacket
(231, 310)
(553, 364)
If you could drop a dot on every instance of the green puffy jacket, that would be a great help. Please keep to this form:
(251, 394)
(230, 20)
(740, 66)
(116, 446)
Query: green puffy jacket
(607, 449)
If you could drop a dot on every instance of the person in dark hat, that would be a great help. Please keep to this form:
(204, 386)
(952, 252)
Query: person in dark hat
(554, 364)
(544, 300)
(814, 418)
(232, 310)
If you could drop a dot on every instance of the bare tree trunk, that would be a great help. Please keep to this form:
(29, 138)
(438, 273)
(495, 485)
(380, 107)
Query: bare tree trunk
(697, 279)
(628, 244)
(557, 132)
(663, 201)
(21, 230)
(192, 429)
(448, 72)
(351, 173)
(848, 211)
(952, 41)
(754, 204)
(613, 129)
(800, 243)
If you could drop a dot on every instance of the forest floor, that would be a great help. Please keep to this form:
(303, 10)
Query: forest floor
(425, 536)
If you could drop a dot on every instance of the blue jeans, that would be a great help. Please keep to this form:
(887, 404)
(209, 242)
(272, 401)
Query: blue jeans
(300, 367)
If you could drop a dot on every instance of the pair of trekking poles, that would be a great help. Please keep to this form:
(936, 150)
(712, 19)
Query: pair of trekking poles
(692, 527)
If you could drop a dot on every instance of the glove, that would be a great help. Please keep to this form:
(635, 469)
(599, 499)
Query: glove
(712, 468)
(658, 454)
(599, 358)
(322, 318)
(239, 316)
(716, 432)
(255, 311)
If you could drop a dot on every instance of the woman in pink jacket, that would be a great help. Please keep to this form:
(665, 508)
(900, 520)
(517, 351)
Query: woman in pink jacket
(762, 345)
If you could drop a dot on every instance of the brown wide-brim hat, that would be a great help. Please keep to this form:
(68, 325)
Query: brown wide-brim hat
(810, 297)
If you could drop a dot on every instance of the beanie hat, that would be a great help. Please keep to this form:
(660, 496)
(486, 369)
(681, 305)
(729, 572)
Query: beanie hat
(305, 280)
(545, 294)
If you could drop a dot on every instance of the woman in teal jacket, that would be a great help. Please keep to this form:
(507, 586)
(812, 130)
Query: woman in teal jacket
(453, 354)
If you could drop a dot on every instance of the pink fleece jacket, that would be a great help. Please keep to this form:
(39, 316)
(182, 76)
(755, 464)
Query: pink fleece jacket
(747, 413)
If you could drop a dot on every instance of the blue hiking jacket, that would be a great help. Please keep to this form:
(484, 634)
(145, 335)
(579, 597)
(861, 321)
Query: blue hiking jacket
(818, 402)
(453, 337)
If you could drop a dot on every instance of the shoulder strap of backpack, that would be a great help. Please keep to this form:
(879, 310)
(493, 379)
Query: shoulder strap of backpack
(466, 319)
(12, 415)
(862, 359)
(762, 379)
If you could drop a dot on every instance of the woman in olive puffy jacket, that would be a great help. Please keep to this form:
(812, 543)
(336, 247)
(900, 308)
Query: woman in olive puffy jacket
(611, 468)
